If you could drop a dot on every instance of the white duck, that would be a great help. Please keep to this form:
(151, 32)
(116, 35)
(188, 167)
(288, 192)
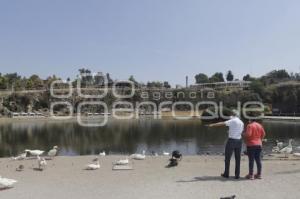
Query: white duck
(41, 163)
(53, 152)
(296, 154)
(278, 147)
(22, 156)
(288, 149)
(102, 154)
(166, 153)
(122, 162)
(279, 144)
(34, 152)
(6, 183)
(138, 156)
(93, 166)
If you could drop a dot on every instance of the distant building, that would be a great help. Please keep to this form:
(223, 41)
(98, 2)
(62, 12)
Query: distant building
(226, 86)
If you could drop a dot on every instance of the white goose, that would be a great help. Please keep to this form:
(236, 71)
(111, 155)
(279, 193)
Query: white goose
(34, 152)
(93, 166)
(102, 154)
(22, 156)
(138, 156)
(41, 163)
(288, 149)
(53, 152)
(122, 162)
(166, 153)
(6, 183)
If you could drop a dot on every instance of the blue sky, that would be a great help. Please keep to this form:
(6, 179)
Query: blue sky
(150, 39)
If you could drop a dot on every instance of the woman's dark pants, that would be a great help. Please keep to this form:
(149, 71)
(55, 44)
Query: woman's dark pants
(254, 153)
(233, 145)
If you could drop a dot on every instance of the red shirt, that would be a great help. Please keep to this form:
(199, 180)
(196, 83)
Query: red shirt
(254, 134)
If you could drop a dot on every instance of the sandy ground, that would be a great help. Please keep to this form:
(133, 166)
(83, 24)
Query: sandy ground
(195, 177)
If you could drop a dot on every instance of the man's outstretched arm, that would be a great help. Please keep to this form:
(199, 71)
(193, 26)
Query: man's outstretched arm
(217, 124)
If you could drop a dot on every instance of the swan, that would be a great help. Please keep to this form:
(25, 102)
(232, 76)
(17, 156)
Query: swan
(34, 152)
(166, 153)
(7, 183)
(122, 162)
(42, 163)
(102, 154)
(137, 156)
(93, 166)
(53, 152)
(22, 156)
(288, 149)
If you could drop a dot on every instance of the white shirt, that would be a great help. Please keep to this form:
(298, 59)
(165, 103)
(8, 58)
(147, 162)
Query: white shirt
(236, 128)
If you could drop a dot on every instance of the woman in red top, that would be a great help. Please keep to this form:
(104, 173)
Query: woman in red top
(253, 137)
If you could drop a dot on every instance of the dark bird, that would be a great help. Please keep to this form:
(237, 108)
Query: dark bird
(20, 168)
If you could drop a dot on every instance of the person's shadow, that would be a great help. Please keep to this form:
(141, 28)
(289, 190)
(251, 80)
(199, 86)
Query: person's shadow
(211, 178)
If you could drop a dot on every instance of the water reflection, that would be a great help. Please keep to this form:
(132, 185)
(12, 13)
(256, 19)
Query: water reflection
(123, 137)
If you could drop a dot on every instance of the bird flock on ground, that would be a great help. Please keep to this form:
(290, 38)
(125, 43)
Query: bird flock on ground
(95, 164)
(286, 150)
(6, 183)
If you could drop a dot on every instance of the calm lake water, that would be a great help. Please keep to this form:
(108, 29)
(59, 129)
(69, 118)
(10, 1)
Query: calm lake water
(125, 137)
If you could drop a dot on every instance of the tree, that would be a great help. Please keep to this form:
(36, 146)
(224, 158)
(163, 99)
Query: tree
(132, 79)
(258, 87)
(166, 84)
(201, 78)
(109, 80)
(29, 84)
(217, 77)
(229, 76)
(3, 82)
(248, 78)
(86, 77)
(37, 81)
(278, 74)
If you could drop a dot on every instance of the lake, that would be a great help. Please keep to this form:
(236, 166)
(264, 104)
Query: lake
(128, 136)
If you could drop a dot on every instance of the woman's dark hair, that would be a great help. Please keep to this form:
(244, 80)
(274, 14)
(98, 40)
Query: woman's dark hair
(255, 116)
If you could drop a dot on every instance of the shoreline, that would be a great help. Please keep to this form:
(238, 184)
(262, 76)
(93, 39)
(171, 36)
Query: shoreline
(195, 177)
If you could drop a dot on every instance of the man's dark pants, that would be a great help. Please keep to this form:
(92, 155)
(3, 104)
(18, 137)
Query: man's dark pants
(233, 145)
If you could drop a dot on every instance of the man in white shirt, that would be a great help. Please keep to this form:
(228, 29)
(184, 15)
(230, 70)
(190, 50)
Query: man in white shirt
(234, 143)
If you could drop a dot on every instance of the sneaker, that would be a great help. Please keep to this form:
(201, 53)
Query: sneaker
(257, 176)
(224, 176)
(250, 177)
